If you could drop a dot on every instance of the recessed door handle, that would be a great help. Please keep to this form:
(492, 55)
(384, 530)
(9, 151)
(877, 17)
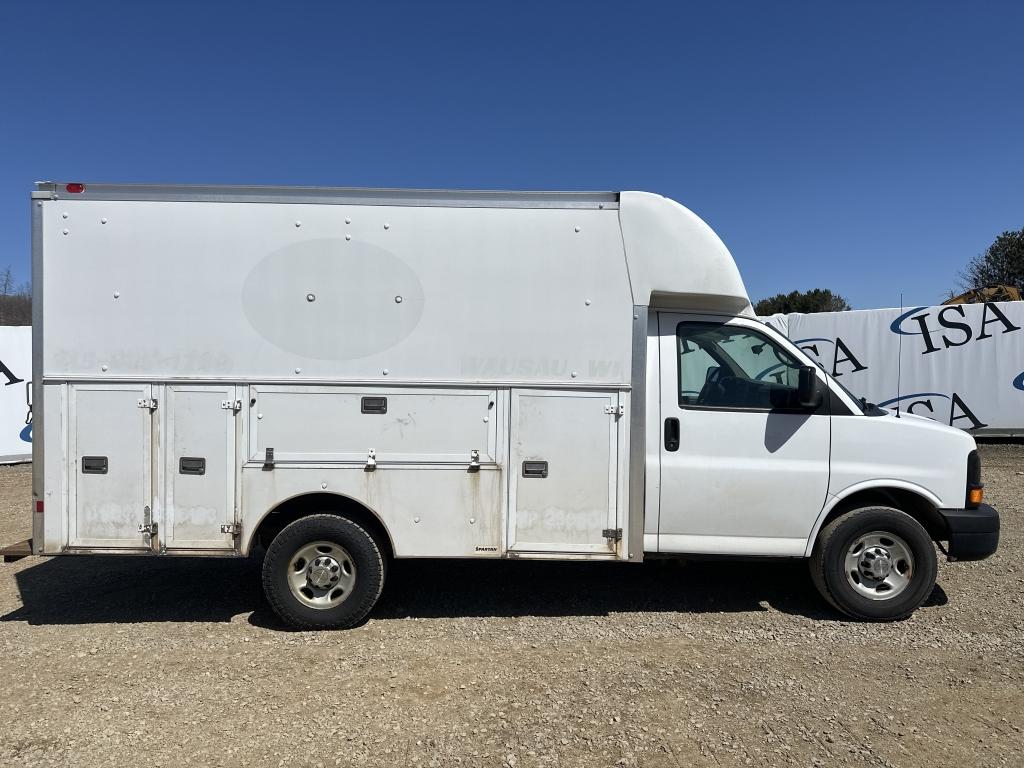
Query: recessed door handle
(672, 434)
(374, 405)
(535, 469)
(94, 465)
(192, 465)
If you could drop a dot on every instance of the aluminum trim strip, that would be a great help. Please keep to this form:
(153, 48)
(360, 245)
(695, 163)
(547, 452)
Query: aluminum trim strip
(330, 196)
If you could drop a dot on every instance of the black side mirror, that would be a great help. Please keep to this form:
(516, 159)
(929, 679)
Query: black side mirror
(808, 390)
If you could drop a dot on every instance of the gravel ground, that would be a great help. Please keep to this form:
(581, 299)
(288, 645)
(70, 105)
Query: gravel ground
(109, 661)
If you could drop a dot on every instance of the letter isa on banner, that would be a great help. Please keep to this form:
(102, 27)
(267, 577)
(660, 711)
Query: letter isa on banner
(962, 364)
(15, 393)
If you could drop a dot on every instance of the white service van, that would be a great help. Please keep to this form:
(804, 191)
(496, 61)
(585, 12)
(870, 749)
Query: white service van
(340, 377)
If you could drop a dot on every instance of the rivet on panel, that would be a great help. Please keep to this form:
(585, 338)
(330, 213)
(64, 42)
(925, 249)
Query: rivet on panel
(104, 367)
(573, 374)
(259, 415)
(398, 299)
(601, 206)
(348, 237)
(576, 229)
(323, 486)
(310, 297)
(298, 223)
(298, 370)
(386, 225)
(117, 294)
(415, 519)
(66, 231)
(385, 371)
(472, 521)
(486, 419)
(348, 221)
(103, 221)
(64, 215)
(587, 302)
(39, 205)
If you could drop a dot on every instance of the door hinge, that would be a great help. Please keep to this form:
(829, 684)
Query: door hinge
(615, 410)
(231, 405)
(235, 529)
(148, 403)
(615, 534)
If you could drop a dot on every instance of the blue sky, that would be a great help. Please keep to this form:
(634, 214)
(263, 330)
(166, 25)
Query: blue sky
(867, 147)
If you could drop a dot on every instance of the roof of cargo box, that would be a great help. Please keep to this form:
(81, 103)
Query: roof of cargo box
(675, 260)
(326, 195)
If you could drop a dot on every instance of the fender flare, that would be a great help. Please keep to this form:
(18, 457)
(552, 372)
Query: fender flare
(248, 536)
(880, 484)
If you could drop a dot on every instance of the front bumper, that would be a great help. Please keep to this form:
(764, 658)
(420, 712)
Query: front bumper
(973, 533)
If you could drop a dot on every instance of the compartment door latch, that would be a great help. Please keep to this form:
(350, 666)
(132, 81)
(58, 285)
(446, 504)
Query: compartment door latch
(149, 528)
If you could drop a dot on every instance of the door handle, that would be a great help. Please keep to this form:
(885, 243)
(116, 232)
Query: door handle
(535, 469)
(672, 434)
(94, 465)
(192, 465)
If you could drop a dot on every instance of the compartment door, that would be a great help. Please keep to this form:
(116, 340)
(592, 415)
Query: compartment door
(563, 472)
(110, 441)
(199, 466)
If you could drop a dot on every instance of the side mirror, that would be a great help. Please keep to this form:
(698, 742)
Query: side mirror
(808, 390)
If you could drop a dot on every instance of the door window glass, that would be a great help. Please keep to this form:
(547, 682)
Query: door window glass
(727, 366)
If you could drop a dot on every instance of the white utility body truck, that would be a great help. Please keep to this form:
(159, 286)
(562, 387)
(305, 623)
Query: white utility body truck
(344, 376)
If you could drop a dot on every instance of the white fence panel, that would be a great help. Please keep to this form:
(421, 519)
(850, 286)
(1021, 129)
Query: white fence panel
(15, 393)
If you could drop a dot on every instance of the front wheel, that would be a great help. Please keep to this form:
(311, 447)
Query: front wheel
(874, 564)
(323, 572)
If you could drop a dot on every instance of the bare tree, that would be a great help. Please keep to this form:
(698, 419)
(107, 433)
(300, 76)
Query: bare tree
(15, 301)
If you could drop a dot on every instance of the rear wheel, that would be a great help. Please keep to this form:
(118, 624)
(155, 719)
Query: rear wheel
(875, 564)
(323, 572)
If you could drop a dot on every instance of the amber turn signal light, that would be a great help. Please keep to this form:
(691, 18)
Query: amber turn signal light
(975, 495)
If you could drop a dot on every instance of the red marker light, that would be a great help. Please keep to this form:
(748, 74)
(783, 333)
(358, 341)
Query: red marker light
(75, 188)
(39, 506)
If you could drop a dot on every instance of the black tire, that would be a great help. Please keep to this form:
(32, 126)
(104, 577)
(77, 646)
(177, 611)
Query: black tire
(364, 559)
(829, 566)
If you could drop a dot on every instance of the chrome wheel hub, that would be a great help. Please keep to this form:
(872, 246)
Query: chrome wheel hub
(321, 574)
(876, 563)
(879, 565)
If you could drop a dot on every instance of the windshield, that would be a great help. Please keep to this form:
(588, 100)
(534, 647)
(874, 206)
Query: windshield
(858, 402)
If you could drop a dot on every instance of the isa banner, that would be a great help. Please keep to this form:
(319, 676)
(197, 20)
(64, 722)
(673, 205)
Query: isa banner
(15, 393)
(961, 364)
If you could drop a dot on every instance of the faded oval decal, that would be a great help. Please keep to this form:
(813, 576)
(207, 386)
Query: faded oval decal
(332, 299)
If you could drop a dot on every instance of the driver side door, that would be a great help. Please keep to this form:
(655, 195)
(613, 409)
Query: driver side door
(743, 468)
